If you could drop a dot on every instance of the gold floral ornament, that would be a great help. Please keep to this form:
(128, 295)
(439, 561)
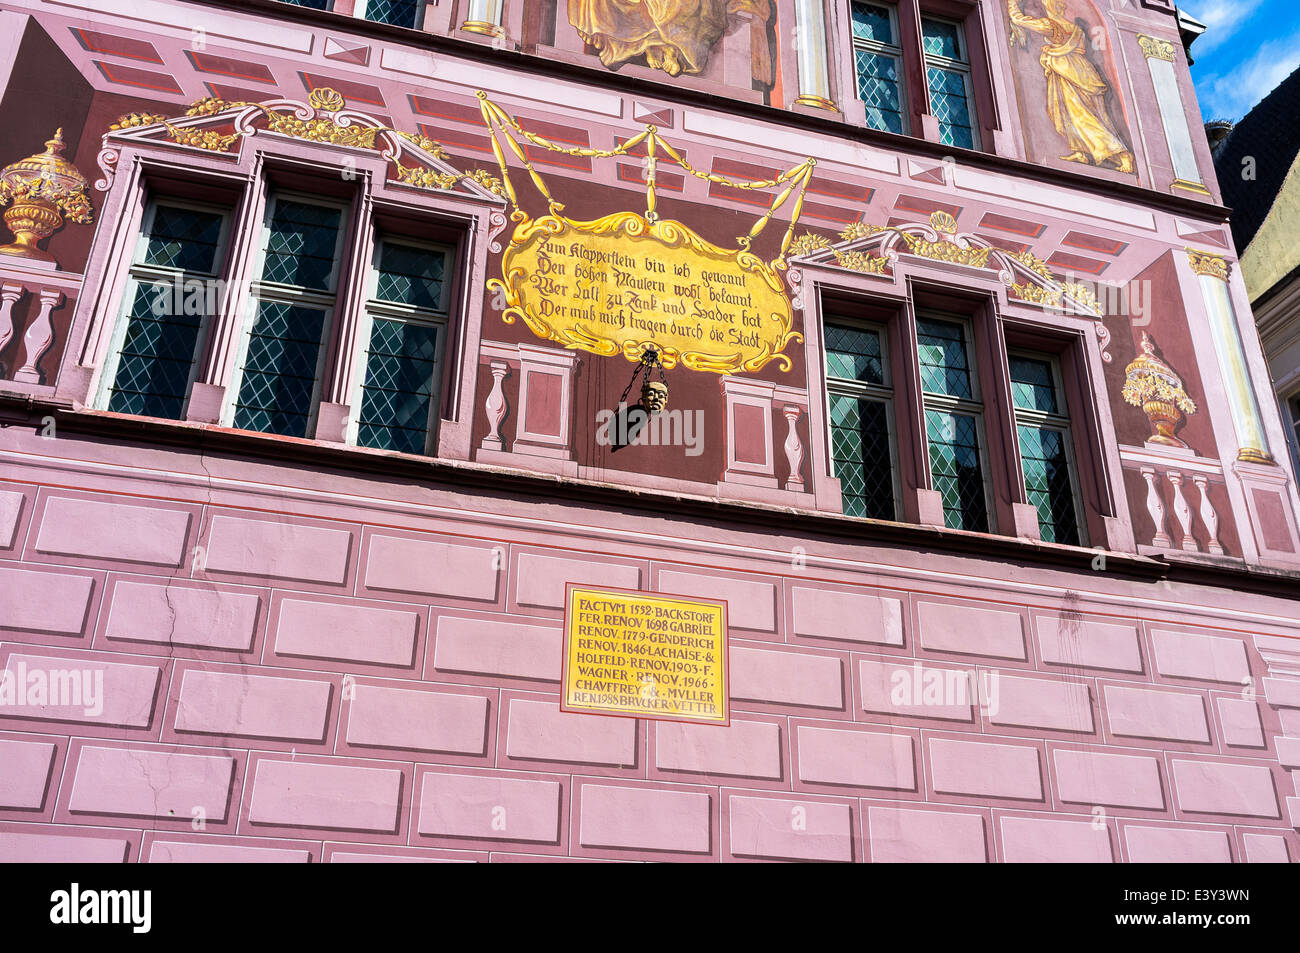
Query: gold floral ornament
(945, 248)
(43, 190)
(861, 261)
(857, 230)
(201, 138)
(1153, 385)
(807, 243)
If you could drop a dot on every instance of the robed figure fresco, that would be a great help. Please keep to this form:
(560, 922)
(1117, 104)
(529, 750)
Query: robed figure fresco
(675, 36)
(1076, 91)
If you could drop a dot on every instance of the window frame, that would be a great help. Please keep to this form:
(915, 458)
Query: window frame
(1060, 422)
(962, 66)
(973, 406)
(1289, 404)
(292, 295)
(372, 307)
(863, 390)
(139, 272)
(893, 51)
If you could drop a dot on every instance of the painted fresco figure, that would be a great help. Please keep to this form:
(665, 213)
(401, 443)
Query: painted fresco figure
(1076, 91)
(675, 36)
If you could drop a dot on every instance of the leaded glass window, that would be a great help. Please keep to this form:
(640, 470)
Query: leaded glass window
(860, 404)
(406, 316)
(953, 423)
(1043, 434)
(397, 12)
(294, 298)
(948, 78)
(877, 62)
(170, 302)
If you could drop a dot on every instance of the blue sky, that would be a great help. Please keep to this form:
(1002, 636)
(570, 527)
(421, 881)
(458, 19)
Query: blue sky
(1250, 47)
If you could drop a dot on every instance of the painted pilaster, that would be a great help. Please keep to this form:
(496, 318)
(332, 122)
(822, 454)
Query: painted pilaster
(813, 55)
(1160, 55)
(1212, 274)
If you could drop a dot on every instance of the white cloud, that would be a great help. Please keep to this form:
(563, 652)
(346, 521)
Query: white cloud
(1233, 94)
(1222, 18)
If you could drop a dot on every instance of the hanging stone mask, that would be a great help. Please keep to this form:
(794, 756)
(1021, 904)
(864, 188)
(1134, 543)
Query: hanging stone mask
(654, 396)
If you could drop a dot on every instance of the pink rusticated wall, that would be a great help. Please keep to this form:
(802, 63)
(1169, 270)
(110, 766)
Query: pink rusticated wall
(337, 668)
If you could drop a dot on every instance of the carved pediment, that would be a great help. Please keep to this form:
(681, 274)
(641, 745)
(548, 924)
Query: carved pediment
(218, 126)
(881, 249)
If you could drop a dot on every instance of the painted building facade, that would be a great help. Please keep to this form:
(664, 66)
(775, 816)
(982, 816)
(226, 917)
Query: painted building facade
(320, 338)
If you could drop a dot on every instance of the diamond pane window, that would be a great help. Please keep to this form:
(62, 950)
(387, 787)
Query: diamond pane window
(1031, 385)
(878, 89)
(951, 106)
(410, 275)
(396, 12)
(877, 62)
(956, 469)
(300, 247)
(860, 454)
(1048, 483)
(940, 38)
(945, 367)
(151, 367)
(153, 370)
(947, 76)
(1043, 434)
(854, 354)
(397, 394)
(183, 238)
(279, 378)
(313, 4)
(872, 22)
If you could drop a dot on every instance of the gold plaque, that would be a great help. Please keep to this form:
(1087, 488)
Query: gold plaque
(645, 655)
(623, 283)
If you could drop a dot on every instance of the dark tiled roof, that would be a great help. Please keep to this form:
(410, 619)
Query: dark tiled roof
(1270, 134)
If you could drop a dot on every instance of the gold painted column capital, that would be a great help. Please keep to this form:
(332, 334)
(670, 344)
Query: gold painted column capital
(1209, 264)
(1154, 48)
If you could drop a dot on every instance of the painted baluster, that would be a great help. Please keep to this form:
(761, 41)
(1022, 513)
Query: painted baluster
(1183, 511)
(9, 296)
(496, 406)
(1156, 507)
(793, 448)
(1208, 515)
(38, 338)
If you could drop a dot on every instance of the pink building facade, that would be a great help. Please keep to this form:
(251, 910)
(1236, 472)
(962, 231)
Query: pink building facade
(311, 336)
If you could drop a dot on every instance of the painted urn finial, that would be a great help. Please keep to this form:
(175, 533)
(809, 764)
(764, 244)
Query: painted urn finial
(41, 190)
(1154, 386)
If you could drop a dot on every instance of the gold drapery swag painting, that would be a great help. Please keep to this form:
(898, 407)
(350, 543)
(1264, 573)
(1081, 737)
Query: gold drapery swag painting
(675, 36)
(1076, 91)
